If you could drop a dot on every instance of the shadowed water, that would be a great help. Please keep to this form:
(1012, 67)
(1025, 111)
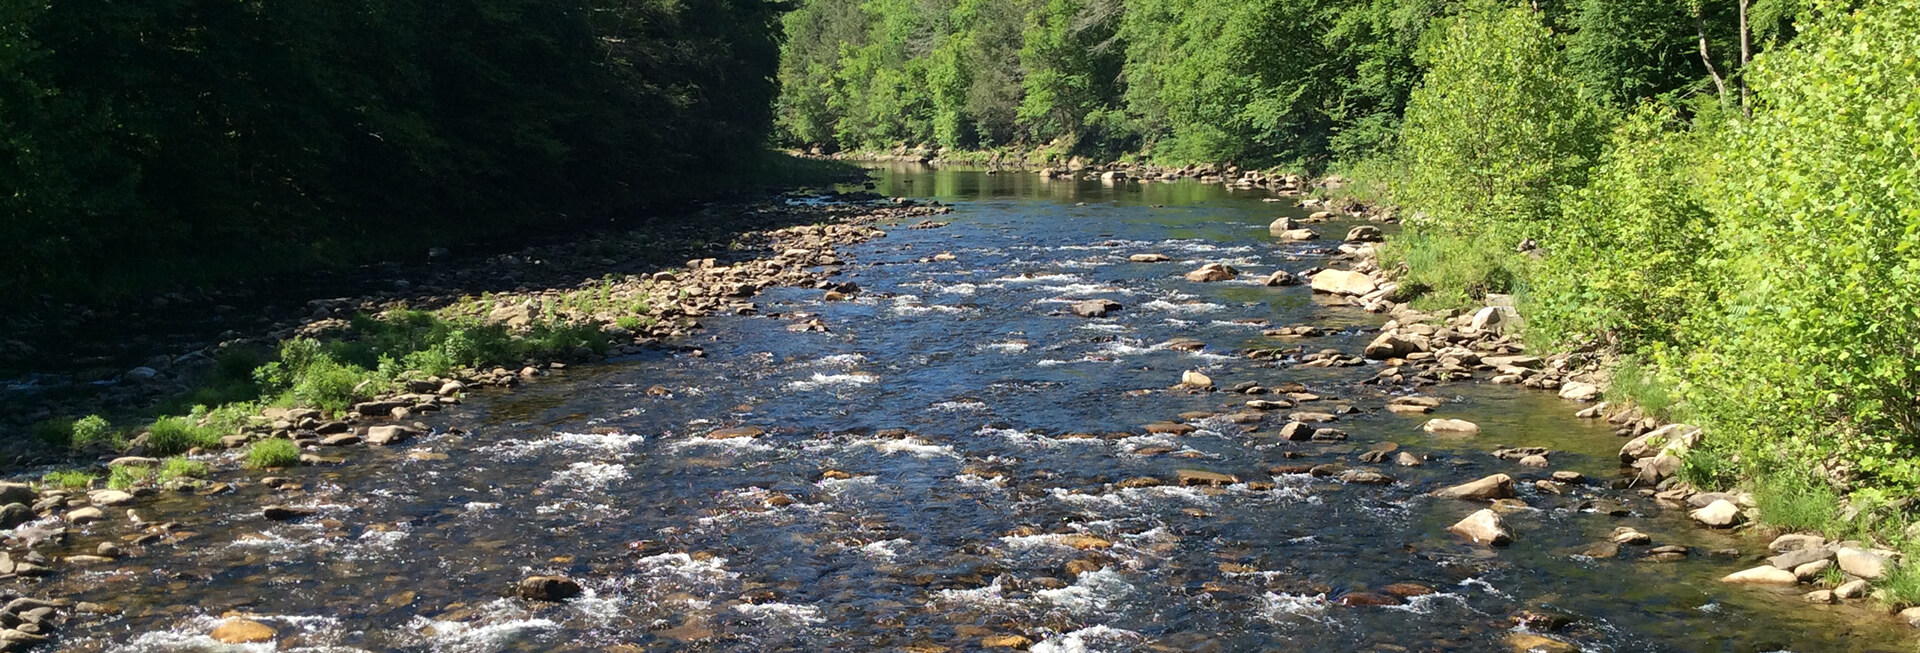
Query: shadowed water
(944, 396)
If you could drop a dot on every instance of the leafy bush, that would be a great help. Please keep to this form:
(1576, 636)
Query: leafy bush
(57, 431)
(94, 429)
(174, 469)
(1791, 501)
(1497, 130)
(169, 436)
(273, 453)
(1811, 355)
(1444, 270)
(1637, 384)
(1623, 261)
(126, 477)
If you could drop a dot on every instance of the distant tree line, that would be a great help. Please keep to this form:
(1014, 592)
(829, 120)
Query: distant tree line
(169, 140)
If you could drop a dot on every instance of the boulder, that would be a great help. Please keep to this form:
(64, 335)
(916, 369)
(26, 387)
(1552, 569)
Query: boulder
(1579, 391)
(1456, 426)
(1343, 282)
(1095, 307)
(1213, 272)
(1497, 486)
(1800, 557)
(1297, 431)
(1484, 527)
(1281, 278)
(1298, 234)
(1283, 225)
(385, 435)
(1672, 438)
(1852, 589)
(285, 513)
(243, 631)
(1202, 477)
(1394, 345)
(548, 588)
(86, 515)
(17, 493)
(1365, 233)
(1194, 379)
(1149, 258)
(1762, 575)
(15, 514)
(1870, 564)
(109, 498)
(1719, 514)
(1531, 643)
(1365, 477)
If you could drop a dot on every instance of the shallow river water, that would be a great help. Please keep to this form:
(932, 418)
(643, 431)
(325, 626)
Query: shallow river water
(946, 392)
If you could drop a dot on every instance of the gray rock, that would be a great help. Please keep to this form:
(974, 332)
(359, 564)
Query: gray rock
(1095, 307)
(86, 515)
(17, 493)
(1852, 589)
(142, 374)
(548, 588)
(1483, 527)
(1793, 559)
(1365, 233)
(109, 498)
(15, 514)
(1865, 563)
(1795, 542)
(1812, 570)
(1497, 486)
(386, 435)
(1719, 514)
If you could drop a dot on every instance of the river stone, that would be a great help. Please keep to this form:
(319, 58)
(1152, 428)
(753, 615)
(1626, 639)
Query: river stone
(1870, 564)
(1393, 345)
(1460, 426)
(736, 432)
(1569, 477)
(134, 461)
(109, 498)
(1819, 596)
(1169, 428)
(1343, 282)
(1630, 535)
(1535, 460)
(1149, 258)
(1795, 558)
(1281, 278)
(243, 631)
(1518, 360)
(1812, 570)
(86, 515)
(1095, 307)
(1531, 643)
(1483, 527)
(1719, 514)
(1201, 477)
(1762, 575)
(1796, 542)
(385, 435)
(548, 588)
(1006, 641)
(17, 493)
(1911, 616)
(1497, 486)
(285, 513)
(1365, 233)
(1365, 477)
(1213, 272)
(1194, 379)
(1672, 438)
(1406, 459)
(1313, 416)
(1852, 589)
(15, 514)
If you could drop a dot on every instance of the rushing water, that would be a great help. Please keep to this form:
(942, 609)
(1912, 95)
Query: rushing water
(961, 526)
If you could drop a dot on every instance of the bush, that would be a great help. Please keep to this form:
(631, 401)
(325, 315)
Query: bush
(273, 453)
(1796, 503)
(1497, 130)
(1642, 386)
(126, 477)
(1810, 356)
(1624, 262)
(182, 468)
(169, 436)
(57, 431)
(94, 429)
(71, 479)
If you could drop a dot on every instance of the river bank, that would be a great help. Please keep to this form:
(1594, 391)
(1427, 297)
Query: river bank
(957, 457)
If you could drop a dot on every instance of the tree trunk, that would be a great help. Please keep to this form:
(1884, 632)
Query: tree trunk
(1746, 54)
(1706, 57)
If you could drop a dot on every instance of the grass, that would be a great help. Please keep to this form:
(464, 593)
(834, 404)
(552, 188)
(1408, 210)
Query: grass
(170, 436)
(1901, 586)
(127, 477)
(1636, 383)
(69, 479)
(1793, 503)
(1448, 271)
(273, 453)
(176, 469)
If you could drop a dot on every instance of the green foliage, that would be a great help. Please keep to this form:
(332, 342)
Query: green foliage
(169, 436)
(273, 453)
(1623, 260)
(1808, 357)
(1900, 588)
(70, 479)
(1444, 270)
(177, 469)
(57, 431)
(1637, 384)
(94, 429)
(1791, 501)
(1497, 131)
(127, 477)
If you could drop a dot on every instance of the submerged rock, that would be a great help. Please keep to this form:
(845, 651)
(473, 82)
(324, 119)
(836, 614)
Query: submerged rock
(548, 588)
(1213, 272)
(243, 631)
(1457, 426)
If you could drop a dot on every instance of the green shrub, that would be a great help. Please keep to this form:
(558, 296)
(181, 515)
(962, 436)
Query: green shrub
(1444, 270)
(1634, 383)
(169, 436)
(1810, 355)
(1497, 130)
(1789, 501)
(273, 453)
(1627, 262)
(94, 429)
(126, 477)
(174, 469)
(71, 479)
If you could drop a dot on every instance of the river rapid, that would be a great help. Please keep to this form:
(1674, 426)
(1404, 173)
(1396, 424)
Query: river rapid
(940, 468)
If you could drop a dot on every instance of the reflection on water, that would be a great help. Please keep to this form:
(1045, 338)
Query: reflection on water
(958, 458)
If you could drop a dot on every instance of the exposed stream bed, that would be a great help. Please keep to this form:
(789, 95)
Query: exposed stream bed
(921, 483)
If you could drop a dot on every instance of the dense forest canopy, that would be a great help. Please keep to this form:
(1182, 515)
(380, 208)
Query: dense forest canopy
(176, 139)
(1299, 83)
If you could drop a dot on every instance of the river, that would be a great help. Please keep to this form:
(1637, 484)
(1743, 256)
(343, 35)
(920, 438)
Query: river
(941, 466)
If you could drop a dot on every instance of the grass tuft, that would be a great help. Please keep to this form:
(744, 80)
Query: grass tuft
(68, 479)
(1448, 271)
(273, 453)
(127, 477)
(172, 436)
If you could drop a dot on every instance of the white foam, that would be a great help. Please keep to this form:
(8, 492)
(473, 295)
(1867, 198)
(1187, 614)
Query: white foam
(989, 597)
(960, 406)
(1183, 308)
(1009, 347)
(1087, 640)
(1055, 278)
(885, 549)
(1093, 592)
(588, 476)
(916, 446)
(781, 614)
(1281, 608)
(603, 443)
(819, 380)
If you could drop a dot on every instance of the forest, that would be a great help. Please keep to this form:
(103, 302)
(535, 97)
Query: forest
(175, 141)
(1720, 198)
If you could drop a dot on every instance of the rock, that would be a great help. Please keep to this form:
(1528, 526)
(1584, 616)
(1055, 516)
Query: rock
(1870, 564)
(1213, 272)
(1852, 589)
(109, 498)
(1282, 225)
(1365, 477)
(133, 461)
(1095, 307)
(86, 515)
(1719, 514)
(1483, 527)
(1006, 641)
(1911, 616)
(1762, 575)
(1497, 486)
(1086, 542)
(285, 513)
(339, 440)
(1281, 278)
(1569, 476)
(1298, 234)
(1343, 282)
(381, 436)
(1629, 535)
(1194, 379)
(1365, 233)
(1394, 345)
(1492, 317)
(1579, 391)
(734, 432)
(1457, 426)
(548, 588)
(17, 493)
(1796, 542)
(1312, 416)
(1812, 570)
(1149, 258)
(1795, 558)
(1405, 459)
(15, 514)
(1531, 643)
(1297, 431)
(1169, 428)
(1672, 438)
(243, 631)
(1535, 460)
(1200, 477)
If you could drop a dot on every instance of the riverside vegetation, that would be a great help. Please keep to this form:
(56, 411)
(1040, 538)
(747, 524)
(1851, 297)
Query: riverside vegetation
(1715, 202)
